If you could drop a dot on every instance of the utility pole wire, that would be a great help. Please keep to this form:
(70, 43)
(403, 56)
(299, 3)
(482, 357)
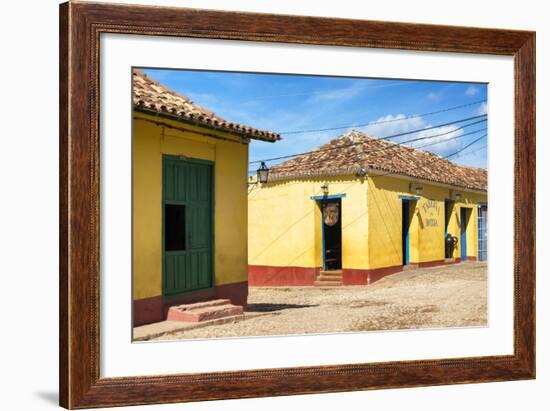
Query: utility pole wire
(436, 159)
(394, 120)
(386, 138)
(315, 162)
(448, 139)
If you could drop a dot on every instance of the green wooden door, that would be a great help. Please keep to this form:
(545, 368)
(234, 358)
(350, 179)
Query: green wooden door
(187, 225)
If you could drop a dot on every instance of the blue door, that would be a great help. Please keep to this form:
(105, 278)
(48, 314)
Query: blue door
(463, 244)
(405, 232)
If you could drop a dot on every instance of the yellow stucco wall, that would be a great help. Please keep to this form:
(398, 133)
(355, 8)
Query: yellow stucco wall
(230, 157)
(285, 224)
(427, 228)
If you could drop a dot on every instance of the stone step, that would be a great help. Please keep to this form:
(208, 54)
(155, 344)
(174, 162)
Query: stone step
(203, 304)
(339, 272)
(203, 311)
(330, 277)
(326, 283)
(410, 267)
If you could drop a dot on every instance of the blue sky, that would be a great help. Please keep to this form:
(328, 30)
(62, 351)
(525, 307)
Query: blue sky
(287, 103)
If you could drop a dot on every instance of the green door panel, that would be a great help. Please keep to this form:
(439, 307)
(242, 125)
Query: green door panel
(187, 242)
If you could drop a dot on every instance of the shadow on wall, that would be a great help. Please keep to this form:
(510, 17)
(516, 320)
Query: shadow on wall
(384, 208)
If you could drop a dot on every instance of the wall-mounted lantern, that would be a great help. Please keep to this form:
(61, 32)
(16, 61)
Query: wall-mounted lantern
(324, 189)
(263, 173)
(416, 188)
(458, 196)
(361, 172)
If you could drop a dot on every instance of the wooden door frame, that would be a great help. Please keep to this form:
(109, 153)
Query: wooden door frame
(212, 164)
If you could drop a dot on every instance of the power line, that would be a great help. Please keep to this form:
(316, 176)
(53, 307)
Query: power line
(385, 138)
(317, 161)
(437, 158)
(449, 139)
(472, 151)
(467, 145)
(372, 123)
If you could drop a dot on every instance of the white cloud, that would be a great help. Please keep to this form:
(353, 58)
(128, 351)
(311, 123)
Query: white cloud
(482, 109)
(439, 94)
(338, 94)
(445, 141)
(472, 91)
(395, 124)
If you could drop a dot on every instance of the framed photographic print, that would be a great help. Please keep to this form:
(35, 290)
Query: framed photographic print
(258, 205)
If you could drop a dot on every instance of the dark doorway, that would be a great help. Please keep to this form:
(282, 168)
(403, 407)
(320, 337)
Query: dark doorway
(406, 222)
(464, 217)
(332, 234)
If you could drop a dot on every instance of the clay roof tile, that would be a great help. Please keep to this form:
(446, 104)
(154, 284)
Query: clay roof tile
(150, 96)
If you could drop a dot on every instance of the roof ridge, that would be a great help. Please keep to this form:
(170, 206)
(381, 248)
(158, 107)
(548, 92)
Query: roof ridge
(395, 143)
(355, 149)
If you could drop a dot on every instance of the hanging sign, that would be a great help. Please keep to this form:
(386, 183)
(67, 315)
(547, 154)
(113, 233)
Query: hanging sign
(332, 213)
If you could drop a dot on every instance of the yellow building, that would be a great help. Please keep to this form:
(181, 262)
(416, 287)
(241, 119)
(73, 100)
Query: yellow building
(189, 202)
(359, 208)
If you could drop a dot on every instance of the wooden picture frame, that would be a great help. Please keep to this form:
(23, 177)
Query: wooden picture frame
(80, 27)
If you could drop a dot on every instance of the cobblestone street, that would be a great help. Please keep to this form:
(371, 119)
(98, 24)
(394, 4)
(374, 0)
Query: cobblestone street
(439, 297)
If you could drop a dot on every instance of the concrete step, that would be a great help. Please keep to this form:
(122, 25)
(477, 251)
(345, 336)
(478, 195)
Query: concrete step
(326, 283)
(339, 272)
(203, 311)
(330, 277)
(410, 267)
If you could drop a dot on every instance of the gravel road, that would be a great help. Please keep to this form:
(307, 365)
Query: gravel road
(439, 297)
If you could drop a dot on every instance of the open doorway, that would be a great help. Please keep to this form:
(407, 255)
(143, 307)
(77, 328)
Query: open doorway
(405, 228)
(464, 220)
(331, 211)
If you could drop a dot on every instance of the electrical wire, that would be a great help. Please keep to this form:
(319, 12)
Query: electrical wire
(437, 158)
(315, 162)
(383, 138)
(372, 123)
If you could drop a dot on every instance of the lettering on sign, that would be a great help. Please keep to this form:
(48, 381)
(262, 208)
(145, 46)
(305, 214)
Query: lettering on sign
(430, 209)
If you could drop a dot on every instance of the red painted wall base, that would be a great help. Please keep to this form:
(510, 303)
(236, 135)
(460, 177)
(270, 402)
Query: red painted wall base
(269, 276)
(351, 276)
(154, 309)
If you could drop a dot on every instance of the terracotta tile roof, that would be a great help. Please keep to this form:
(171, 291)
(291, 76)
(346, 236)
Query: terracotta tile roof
(354, 150)
(151, 97)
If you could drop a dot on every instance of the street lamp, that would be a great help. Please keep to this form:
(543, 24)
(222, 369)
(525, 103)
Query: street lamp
(263, 173)
(416, 187)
